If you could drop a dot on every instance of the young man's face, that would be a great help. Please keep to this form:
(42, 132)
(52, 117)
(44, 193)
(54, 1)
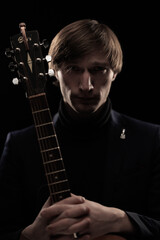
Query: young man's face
(85, 83)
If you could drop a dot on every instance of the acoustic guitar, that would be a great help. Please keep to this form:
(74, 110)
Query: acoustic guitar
(27, 55)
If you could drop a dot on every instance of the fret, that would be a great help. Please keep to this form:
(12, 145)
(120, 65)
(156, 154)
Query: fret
(54, 165)
(48, 142)
(60, 195)
(58, 187)
(52, 161)
(49, 149)
(45, 129)
(36, 95)
(67, 191)
(55, 183)
(38, 102)
(44, 124)
(47, 137)
(55, 172)
(51, 155)
(40, 110)
(42, 117)
(56, 175)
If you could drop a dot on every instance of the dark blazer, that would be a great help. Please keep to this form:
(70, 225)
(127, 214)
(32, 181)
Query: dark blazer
(132, 177)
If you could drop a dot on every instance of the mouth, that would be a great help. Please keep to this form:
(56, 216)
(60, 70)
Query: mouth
(85, 104)
(86, 100)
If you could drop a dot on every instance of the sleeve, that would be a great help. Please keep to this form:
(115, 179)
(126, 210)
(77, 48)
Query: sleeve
(148, 225)
(11, 194)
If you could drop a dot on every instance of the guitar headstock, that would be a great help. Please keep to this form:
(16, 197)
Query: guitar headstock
(28, 60)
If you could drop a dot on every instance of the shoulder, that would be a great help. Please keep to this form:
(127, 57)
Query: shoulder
(140, 139)
(22, 136)
(21, 133)
(20, 144)
(118, 117)
(133, 125)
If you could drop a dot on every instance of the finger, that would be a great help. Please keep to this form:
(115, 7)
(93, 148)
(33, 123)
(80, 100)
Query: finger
(61, 227)
(59, 207)
(69, 226)
(81, 197)
(52, 211)
(80, 227)
(76, 211)
(74, 199)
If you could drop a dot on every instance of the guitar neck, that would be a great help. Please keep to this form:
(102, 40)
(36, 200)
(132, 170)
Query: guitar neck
(52, 158)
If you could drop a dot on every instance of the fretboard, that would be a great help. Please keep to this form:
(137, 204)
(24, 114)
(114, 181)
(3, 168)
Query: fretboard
(49, 147)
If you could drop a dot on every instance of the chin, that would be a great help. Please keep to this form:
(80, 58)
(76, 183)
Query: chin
(85, 110)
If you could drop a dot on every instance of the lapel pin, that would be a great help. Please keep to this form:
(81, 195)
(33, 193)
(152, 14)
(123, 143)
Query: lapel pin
(123, 135)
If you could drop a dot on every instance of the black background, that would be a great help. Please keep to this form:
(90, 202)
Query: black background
(136, 89)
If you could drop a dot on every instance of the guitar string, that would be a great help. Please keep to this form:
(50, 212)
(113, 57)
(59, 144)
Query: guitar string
(40, 103)
(37, 105)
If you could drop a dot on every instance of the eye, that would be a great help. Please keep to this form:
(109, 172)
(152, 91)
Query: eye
(73, 68)
(98, 69)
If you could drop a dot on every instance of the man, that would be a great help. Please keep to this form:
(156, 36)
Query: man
(112, 161)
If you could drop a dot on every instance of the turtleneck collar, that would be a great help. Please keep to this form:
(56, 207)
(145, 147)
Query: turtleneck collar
(75, 125)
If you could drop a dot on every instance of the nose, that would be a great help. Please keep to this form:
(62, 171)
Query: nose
(85, 82)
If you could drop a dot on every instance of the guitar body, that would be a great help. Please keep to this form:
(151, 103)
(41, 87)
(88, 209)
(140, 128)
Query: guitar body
(30, 63)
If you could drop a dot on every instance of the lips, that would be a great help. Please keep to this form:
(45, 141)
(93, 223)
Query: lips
(86, 100)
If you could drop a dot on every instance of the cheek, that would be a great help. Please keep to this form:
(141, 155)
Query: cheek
(105, 89)
(64, 88)
(67, 86)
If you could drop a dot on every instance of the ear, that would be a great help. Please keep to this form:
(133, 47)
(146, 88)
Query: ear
(56, 74)
(114, 76)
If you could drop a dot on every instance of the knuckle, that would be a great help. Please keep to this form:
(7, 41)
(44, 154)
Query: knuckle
(67, 213)
(85, 210)
(88, 221)
(43, 213)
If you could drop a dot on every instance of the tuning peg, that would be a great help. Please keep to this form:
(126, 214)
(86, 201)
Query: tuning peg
(45, 43)
(51, 72)
(12, 66)
(9, 53)
(48, 58)
(15, 81)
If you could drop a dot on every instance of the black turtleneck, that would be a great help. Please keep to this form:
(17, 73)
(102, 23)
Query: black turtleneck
(83, 145)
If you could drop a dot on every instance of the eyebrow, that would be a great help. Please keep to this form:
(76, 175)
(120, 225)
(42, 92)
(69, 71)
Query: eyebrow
(99, 63)
(104, 64)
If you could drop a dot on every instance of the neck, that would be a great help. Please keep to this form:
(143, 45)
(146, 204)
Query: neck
(72, 120)
(70, 123)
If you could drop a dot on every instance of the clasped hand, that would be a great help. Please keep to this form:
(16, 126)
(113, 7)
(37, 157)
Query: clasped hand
(71, 215)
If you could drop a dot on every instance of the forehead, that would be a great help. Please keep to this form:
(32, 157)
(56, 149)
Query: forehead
(95, 58)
